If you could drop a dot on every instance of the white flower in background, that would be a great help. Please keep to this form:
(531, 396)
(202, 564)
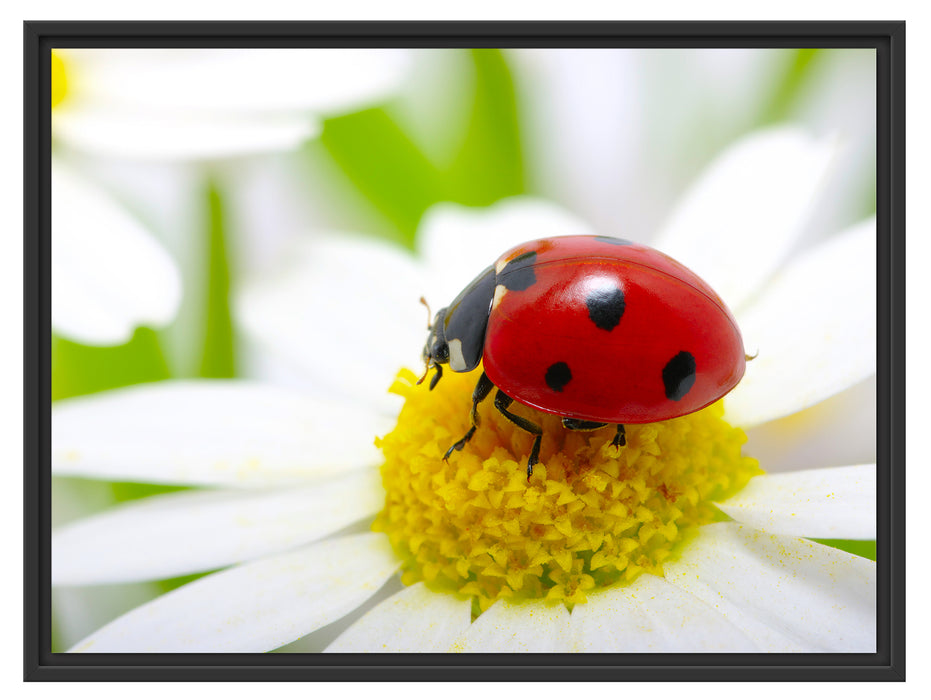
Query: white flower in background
(291, 468)
(110, 275)
(619, 157)
(209, 103)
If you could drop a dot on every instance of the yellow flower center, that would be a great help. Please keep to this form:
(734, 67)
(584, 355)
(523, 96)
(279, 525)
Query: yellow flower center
(591, 516)
(59, 80)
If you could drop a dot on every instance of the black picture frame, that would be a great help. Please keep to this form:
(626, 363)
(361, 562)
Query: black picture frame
(888, 40)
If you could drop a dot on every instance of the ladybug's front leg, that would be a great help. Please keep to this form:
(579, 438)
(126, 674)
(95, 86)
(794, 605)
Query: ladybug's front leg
(436, 377)
(502, 401)
(482, 389)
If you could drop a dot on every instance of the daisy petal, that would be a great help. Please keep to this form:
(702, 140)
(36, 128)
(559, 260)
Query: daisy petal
(339, 80)
(258, 606)
(457, 242)
(837, 502)
(110, 274)
(345, 311)
(785, 593)
(145, 135)
(586, 142)
(837, 431)
(226, 433)
(414, 620)
(221, 81)
(651, 615)
(532, 626)
(752, 202)
(814, 327)
(176, 534)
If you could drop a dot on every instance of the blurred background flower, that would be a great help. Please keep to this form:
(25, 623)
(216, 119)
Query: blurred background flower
(221, 162)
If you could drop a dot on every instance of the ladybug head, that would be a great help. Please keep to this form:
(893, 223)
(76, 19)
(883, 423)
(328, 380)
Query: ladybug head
(457, 334)
(436, 349)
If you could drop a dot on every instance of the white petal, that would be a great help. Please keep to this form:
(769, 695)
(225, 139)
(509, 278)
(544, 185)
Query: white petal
(345, 310)
(146, 135)
(109, 274)
(229, 433)
(785, 593)
(338, 80)
(814, 327)
(457, 242)
(837, 502)
(736, 224)
(414, 620)
(532, 626)
(586, 143)
(837, 431)
(175, 534)
(257, 81)
(257, 606)
(650, 615)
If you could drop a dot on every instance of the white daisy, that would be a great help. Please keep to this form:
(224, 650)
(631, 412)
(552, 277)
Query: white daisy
(111, 275)
(633, 554)
(208, 103)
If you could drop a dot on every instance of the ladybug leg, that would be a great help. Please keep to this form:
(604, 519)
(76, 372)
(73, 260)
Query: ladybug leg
(502, 401)
(482, 389)
(576, 424)
(436, 377)
(620, 438)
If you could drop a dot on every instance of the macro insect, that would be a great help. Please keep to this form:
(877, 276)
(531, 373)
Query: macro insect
(594, 329)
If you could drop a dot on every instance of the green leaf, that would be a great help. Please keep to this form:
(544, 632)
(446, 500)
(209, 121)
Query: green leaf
(862, 548)
(385, 165)
(218, 356)
(489, 165)
(133, 491)
(84, 369)
(788, 87)
(170, 584)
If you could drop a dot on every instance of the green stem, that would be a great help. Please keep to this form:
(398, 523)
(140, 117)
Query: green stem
(218, 356)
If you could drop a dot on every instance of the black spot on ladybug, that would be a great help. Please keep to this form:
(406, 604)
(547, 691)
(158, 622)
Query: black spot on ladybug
(605, 307)
(518, 274)
(679, 375)
(558, 375)
(613, 241)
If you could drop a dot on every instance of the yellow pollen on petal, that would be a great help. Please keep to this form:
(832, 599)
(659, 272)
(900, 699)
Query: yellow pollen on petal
(590, 516)
(59, 80)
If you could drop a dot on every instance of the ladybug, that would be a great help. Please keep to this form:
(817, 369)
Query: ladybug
(594, 329)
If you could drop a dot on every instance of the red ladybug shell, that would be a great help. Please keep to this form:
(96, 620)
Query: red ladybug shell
(605, 330)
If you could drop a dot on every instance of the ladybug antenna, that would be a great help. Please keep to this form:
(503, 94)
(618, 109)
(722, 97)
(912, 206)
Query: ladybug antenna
(752, 357)
(429, 320)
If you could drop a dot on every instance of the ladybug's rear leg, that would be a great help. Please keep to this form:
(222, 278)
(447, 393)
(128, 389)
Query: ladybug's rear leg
(502, 401)
(576, 424)
(620, 437)
(479, 394)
